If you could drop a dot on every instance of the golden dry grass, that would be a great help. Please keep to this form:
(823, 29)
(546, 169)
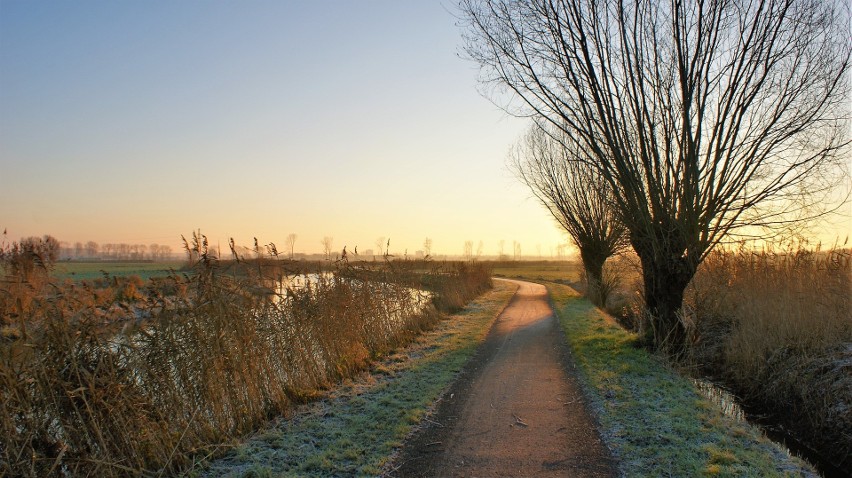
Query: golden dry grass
(776, 327)
(219, 352)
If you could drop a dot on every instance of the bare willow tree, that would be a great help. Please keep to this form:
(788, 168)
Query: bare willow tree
(467, 252)
(706, 118)
(380, 244)
(290, 243)
(577, 196)
(327, 246)
(427, 247)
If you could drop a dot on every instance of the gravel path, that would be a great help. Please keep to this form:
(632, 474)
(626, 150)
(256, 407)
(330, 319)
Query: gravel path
(516, 410)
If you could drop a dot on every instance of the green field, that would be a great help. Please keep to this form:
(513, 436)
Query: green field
(555, 271)
(94, 270)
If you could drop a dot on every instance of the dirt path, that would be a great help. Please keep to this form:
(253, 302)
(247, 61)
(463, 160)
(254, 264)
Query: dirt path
(516, 410)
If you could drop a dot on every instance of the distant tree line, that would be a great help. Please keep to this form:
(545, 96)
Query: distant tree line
(114, 251)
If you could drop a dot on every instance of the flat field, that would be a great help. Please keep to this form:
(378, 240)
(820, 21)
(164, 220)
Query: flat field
(94, 270)
(554, 271)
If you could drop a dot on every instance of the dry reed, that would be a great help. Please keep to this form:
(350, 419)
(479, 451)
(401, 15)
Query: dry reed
(776, 327)
(773, 326)
(209, 356)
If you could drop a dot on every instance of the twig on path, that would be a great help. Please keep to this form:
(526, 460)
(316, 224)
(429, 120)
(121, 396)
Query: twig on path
(433, 422)
(519, 421)
(393, 469)
(575, 399)
(433, 443)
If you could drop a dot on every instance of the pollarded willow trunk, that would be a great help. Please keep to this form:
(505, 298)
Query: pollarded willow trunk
(663, 300)
(593, 262)
(665, 277)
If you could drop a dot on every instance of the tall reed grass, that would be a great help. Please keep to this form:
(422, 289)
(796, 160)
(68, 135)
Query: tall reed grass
(776, 327)
(219, 352)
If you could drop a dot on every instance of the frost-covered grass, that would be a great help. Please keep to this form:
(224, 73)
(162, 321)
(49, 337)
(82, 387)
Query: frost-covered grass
(652, 418)
(358, 427)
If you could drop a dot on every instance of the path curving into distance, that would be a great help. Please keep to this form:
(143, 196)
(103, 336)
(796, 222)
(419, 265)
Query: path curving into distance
(516, 409)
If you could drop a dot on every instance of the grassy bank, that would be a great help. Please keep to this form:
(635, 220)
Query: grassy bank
(653, 420)
(354, 431)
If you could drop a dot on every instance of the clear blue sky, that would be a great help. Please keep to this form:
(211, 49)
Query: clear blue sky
(132, 121)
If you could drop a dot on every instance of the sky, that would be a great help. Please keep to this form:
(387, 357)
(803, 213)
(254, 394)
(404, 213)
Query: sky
(139, 122)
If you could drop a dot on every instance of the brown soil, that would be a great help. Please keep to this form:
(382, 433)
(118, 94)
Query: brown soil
(516, 409)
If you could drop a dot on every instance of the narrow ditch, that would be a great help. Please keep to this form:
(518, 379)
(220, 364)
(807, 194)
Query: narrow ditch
(730, 405)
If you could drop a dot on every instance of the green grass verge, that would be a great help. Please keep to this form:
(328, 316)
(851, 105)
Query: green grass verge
(94, 270)
(653, 419)
(359, 426)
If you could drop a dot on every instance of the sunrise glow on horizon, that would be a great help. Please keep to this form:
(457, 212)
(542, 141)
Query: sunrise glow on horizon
(140, 122)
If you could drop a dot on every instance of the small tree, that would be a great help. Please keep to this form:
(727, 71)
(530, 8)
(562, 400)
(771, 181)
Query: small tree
(380, 244)
(327, 246)
(92, 249)
(290, 244)
(468, 250)
(557, 172)
(124, 251)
